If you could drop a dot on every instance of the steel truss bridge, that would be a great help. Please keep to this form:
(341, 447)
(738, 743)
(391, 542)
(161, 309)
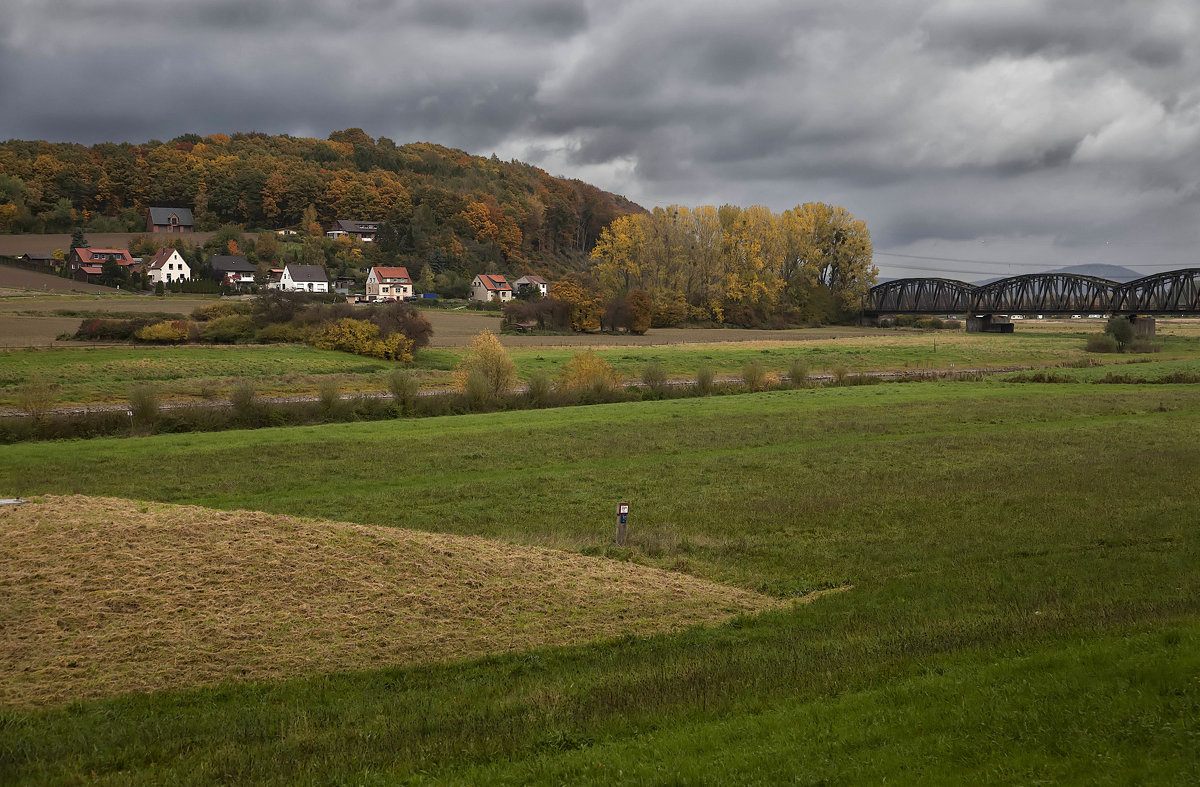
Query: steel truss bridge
(1170, 293)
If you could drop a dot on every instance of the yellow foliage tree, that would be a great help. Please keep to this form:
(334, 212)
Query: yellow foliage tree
(362, 338)
(489, 359)
(588, 372)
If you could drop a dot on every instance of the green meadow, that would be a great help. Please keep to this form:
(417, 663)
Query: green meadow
(1019, 599)
(96, 375)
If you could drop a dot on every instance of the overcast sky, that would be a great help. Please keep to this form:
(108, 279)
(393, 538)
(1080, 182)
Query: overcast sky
(1025, 133)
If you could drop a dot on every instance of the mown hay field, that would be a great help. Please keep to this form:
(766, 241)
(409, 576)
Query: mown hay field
(104, 597)
(1025, 604)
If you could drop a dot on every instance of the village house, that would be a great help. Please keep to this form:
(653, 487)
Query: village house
(488, 287)
(532, 281)
(233, 271)
(39, 260)
(169, 220)
(82, 256)
(167, 266)
(388, 283)
(303, 278)
(90, 274)
(361, 230)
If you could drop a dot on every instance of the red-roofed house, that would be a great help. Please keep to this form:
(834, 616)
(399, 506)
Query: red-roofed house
(388, 283)
(89, 273)
(490, 287)
(88, 256)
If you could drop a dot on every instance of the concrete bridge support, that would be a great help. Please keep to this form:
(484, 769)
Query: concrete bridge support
(1143, 327)
(989, 323)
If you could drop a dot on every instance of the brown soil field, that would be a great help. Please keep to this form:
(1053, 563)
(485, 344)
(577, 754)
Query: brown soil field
(17, 281)
(16, 245)
(101, 596)
(34, 331)
(458, 328)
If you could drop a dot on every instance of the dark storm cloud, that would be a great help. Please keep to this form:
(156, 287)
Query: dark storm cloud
(1046, 122)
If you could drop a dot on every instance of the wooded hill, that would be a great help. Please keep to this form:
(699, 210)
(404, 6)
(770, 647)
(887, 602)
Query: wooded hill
(444, 207)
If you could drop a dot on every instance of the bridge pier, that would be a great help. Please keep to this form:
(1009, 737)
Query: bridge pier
(1143, 327)
(989, 323)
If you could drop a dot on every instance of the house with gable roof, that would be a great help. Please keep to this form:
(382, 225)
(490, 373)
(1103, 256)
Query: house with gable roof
(90, 257)
(488, 287)
(364, 231)
(303, 278)
(391, 282)
(532, 281)
(233, 271)
(167, 266)
(169, 220)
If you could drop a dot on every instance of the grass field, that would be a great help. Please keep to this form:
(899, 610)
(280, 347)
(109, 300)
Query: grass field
(1025, 605)
(97, 375)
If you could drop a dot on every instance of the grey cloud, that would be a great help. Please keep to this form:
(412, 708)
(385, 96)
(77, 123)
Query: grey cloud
(936, 120)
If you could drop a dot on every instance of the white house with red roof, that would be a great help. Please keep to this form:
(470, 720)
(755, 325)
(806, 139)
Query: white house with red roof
(491, 287)
(167, 266)
(391, 282)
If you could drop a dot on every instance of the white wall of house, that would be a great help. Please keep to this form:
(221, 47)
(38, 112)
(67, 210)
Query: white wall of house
(288, 284)
(175, 269)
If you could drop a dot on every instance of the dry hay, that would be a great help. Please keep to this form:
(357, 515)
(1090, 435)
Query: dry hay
(101, 596)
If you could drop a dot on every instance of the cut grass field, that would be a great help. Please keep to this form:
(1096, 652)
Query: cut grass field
(1025, 605)
(113, 596)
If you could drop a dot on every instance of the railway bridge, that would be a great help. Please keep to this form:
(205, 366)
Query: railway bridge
(989, 306)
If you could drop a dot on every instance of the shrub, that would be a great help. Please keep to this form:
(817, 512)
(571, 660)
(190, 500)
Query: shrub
(654, 376)
(213, 311)
(403, 386)
(329, 399)
(754, 375)
(798, 373)
(95, 329)
(705, 380)
(539, 388)
(1144, 346)
(230, 329)
(35, 397)
(165, 332)
(1101, 343)
(478, 389)
(840, 375)
(1121, 330)
(143, 406)
(362, 338)
(405, 320)
(279, 333)
(242, 398)
(589, 372)
(490, 359)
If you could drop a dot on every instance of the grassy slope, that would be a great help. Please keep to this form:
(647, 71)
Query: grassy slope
(967, 516)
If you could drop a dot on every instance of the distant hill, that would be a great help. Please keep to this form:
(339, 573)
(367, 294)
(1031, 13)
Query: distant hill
(444, 207)
(1111, 272)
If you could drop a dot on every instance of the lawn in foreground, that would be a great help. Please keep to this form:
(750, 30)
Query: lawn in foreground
(978, 523)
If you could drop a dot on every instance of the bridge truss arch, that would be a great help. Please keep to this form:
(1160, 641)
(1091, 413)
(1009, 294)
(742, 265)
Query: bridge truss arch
(1172, 292)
